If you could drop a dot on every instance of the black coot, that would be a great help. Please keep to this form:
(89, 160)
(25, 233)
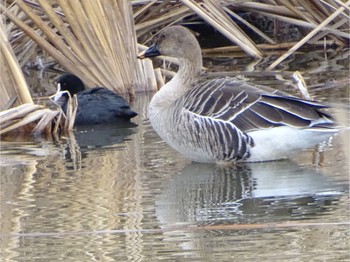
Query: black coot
(96, 105)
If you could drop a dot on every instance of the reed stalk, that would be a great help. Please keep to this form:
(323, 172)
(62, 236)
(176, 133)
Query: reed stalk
(96, 40)
(266, 47)
(92, 39)
(306, 15)
(308, 37)
(211, 12)
(11, 75)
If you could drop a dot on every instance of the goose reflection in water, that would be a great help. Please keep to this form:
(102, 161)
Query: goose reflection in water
(254, 193)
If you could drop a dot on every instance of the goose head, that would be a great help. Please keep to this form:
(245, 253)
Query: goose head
(178, 42)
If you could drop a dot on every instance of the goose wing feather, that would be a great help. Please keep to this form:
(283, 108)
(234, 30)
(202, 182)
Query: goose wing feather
(248, 108)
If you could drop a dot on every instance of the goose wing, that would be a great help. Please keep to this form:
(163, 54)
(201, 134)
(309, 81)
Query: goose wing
(249, 108)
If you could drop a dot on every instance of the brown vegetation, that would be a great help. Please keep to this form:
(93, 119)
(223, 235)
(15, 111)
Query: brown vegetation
(97, 40)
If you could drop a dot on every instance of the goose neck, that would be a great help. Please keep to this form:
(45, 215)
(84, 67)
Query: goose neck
(189, 70)
(183, 81)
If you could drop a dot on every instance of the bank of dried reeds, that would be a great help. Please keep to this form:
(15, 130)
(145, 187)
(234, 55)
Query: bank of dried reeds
(93, 39)
(11, 76)
(326, 20)
(96, 39)
(23, 115)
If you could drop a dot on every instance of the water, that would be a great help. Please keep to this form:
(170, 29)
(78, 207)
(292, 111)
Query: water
(121, 194)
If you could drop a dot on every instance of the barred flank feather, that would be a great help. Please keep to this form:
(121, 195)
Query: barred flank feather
(228, 120)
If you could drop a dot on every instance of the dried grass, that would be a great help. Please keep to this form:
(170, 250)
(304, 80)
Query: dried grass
(13, 85)
(96, 40)
(93, 39)
(307, 37)
(36, 119)
(327, 20)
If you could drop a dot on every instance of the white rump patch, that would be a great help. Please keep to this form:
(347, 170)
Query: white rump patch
(281, 142)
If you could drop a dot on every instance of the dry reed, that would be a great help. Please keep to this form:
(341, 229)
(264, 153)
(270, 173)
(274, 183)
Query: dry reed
(93, 39)
(326, 20)
(11, 76)
(96, 40)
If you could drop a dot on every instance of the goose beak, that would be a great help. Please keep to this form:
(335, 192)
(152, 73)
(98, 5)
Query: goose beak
(150, 52)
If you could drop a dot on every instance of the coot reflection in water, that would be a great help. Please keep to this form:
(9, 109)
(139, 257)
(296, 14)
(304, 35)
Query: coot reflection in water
(251, 193)
(87, 138)
(103, 135)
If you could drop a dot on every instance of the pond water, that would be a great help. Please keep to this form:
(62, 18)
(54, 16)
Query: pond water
(121, 194)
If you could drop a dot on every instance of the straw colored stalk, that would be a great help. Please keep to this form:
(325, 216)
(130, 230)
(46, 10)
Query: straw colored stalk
(94, 40)
(283, 14)
(266, 47)
(256, 30)
(154, 9)
(299, 13)
(25, 49)
(143, 9)
(13, 85)
(208, 10)
(163, 19)
(302, 23)
(308, 37)
(213, 13)
(269, 8)
(25, 117)
(36, 119)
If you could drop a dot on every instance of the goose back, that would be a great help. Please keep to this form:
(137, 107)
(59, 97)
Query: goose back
(217, 120)
(223, 119)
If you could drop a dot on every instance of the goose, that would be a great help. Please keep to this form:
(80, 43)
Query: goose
(96, 105)
(225, 120)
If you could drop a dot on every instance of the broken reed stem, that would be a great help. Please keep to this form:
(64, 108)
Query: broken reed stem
(304, 14)
(37, 120)
(228, 49)
(225, 25)
(17, 112)
(44, 125)
(93, 39)
(302, 23)
(256, 30)
(14, 79)
(307, 37)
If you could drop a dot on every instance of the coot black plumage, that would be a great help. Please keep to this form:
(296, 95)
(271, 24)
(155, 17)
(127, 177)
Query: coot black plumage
(96, 105)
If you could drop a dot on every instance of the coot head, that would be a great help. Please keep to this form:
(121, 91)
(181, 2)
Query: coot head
(70, 83)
